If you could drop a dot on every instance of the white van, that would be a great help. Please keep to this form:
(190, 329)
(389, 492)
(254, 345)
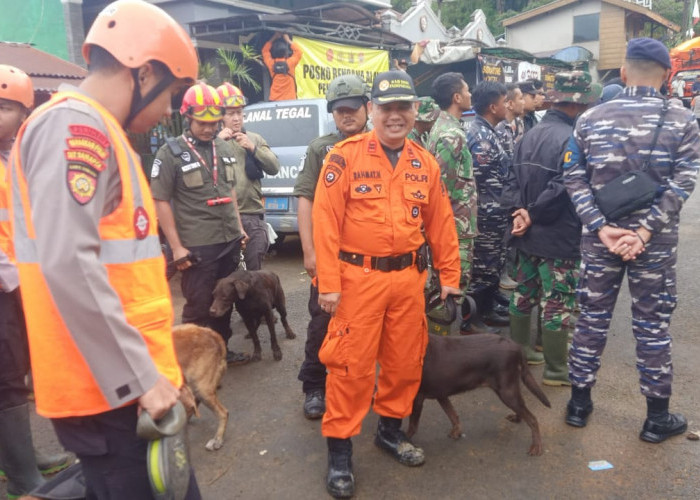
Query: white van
(288, 127)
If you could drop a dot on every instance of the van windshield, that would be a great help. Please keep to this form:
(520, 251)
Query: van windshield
(284, 126)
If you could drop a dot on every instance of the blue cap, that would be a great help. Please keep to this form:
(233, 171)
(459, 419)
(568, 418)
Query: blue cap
(648, 49)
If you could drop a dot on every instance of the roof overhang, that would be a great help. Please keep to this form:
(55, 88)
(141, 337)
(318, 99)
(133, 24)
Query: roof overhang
(338, 22)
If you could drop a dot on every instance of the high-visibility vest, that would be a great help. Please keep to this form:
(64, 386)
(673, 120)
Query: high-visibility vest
(131, 253)
(4, 211)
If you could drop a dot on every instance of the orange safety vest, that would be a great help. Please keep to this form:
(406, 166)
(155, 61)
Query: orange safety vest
(131, 254)
(4, 211)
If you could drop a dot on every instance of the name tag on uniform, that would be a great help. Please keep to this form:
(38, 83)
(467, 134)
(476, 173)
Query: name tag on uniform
(228, 159)
(190, 166)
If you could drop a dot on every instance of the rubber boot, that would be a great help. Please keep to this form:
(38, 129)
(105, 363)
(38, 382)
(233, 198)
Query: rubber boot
(49, 464)
(538, 337)
(17, 451)
(520, 332)
(489, 313)
(556, 353)
(660, 424)
(391, 438)
(340, 481)
(471, 320)
(579, 406)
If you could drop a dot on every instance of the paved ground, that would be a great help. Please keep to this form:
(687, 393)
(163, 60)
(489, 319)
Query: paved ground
(271, 451)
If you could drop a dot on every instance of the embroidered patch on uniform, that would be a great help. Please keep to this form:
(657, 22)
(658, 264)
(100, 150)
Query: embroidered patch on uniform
(332, 174)
(185, 155)
(366, 174)
(328, 148)
(363, 188)
(141, 223)
(88, 145)
(415, 163)
(190, 166)
(338, 160)
(372, 147)
(90, 133)
(418, 195)
(81, 184)
(155, 169)
(415, 212)
(378, 187)
(86, 157)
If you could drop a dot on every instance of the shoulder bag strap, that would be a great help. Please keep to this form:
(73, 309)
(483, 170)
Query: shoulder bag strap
(659, 125)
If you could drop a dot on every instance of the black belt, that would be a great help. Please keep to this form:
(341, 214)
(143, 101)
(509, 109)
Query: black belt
(385, 264)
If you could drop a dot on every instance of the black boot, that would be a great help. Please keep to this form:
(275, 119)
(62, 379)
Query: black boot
(340, 481)
(471, 320)
(391, 438)
(579, 406)
(315, 404)
(660, 424)
(17, 452)
(489, 313)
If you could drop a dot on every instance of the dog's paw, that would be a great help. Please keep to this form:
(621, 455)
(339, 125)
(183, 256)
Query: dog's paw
(535, 450)
(256, 356)
(456, 434)
(214, 444)
(290, 334)
(513, 417)
(277, 355)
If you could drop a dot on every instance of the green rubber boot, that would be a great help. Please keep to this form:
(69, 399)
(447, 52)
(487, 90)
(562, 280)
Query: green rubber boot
(556, 352)
(520, 332)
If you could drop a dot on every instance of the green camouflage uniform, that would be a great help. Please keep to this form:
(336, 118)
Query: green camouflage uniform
(428, 111)
(448, 143)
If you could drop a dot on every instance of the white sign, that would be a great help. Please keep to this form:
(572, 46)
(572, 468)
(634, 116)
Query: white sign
(529, 71)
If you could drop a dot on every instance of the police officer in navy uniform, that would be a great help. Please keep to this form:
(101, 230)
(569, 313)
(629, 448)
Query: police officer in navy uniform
(609, 140)
(193, 183)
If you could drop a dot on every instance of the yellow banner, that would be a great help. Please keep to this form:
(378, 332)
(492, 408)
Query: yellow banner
(322, 61)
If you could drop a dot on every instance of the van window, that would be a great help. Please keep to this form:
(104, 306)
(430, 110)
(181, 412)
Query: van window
(284, 126)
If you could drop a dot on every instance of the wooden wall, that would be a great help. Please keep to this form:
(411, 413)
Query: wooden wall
(613, 42)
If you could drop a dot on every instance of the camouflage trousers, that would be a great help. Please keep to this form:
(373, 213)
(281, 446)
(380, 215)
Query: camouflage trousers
(489, 252)
(549, 282)
(652, 285)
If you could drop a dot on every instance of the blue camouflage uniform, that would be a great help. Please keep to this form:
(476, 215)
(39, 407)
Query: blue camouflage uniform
(609, 140)
(490, 171)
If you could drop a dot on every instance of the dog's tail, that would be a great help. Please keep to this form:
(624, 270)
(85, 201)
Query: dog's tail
(530, 381)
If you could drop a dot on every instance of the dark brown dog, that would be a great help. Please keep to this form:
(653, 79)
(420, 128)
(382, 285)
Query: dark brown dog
(454, 365)
(255, 294)
(202, 356)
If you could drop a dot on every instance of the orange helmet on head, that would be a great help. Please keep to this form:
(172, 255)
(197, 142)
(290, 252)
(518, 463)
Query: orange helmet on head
(202, 103)
(15, 85)
(231, 96)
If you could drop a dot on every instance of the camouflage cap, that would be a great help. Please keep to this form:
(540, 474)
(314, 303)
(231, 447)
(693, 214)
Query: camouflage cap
(576, 87)
(428, 110)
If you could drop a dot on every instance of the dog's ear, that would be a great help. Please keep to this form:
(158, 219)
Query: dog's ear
(242, 288)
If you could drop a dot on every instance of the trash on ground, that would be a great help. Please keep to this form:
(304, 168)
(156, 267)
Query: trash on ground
(599, 465)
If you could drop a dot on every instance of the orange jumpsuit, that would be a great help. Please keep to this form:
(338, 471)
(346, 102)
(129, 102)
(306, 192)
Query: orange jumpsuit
(283, 86)
(365, 206)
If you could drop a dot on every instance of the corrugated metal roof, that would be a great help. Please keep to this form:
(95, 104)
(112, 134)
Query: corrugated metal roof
(46, 70)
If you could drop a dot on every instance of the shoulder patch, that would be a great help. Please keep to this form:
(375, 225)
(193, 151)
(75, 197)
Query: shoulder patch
(155, 169)
(331, 175)
(88, 148)
(82, 183)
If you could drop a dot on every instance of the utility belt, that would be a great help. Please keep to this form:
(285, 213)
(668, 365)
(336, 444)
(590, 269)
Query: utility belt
(388, 264)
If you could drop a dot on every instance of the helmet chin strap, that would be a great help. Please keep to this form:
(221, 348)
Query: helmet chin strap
(138, 103)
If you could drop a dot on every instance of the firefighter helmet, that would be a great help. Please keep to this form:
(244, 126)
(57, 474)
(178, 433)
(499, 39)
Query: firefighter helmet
(202, 103)
(136, 32)
(231, 96)
(15, 85)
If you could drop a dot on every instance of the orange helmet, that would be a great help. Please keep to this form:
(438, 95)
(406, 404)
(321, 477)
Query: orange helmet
(15, 85)
(136, 32)
(231, 96)
(202, 102)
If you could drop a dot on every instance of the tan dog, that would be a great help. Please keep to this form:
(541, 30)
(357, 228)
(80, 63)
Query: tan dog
(201, 353)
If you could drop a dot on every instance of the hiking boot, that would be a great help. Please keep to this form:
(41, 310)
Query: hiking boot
(315, 404)
(660, 424)
(237, 358)
(391, 438)
(579, 406)
(340, 481)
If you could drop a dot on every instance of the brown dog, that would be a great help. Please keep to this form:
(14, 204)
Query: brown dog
(202, 356)
(255, 294)
(453, 365)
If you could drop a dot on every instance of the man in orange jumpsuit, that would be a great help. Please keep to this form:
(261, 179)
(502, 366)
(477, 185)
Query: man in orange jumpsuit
(281, 57)
(378, 191)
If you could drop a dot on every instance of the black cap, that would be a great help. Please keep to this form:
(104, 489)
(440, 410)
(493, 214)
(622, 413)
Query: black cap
(648, 49)
(392, 86)
(527, 87)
